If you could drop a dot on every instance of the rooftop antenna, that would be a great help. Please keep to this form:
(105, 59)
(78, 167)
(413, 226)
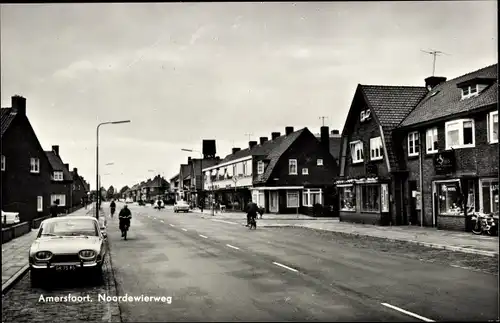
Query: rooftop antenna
(434, 53)
(323, 119)
(249, 135)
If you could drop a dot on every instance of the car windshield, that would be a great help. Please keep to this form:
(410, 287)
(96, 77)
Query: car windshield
(70, 227)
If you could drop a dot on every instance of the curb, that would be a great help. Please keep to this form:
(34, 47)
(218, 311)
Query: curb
(425, 244)
(14, 279)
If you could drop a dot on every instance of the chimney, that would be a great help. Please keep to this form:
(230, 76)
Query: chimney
(288, 130)
(325, 137)
(263, 140)
(19, 105)
(67, 166)
(55, 149)
(275, 135)
(433, 81)
(252, 144)
(189, 160)
(235, 150)
(75, 170)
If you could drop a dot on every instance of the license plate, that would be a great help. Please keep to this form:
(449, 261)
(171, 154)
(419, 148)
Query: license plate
(65, 268)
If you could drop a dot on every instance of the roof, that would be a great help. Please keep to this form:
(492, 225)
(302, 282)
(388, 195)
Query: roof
(334, 146)
(390, 105)
(6, 119)
(184, 172)
(176, 177)
(446, 99)
(57, 165)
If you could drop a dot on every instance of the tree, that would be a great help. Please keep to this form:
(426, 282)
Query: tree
(110, 192)
(124, 188)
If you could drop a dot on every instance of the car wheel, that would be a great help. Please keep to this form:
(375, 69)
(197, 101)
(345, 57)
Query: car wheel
(35, 278)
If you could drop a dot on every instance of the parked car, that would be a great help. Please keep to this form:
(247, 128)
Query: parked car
(181, 206)
(10, 217)
(68, 244)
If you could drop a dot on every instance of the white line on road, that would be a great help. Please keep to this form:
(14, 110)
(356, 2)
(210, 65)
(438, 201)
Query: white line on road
(184, 229)
(172, 225)
(162, 221)
(408, 313)
(217, 220)
(289, 268)
(232, 247)
(201, 235)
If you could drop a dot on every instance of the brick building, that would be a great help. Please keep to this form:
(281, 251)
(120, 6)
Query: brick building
(79, 190)
(449, 142)
(61, 180)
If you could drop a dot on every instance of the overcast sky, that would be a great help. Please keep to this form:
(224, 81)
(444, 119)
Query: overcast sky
(183, 72)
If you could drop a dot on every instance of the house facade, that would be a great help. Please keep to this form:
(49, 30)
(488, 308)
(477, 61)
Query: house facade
(79, 190)
(370, 181)
(61, 180)
(450, 145)
(26, 171)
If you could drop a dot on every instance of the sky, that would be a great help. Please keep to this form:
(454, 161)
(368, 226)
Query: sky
(184, 72)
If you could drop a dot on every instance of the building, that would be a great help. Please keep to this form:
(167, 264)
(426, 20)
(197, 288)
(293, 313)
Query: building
(26, 171)
(268, 173)
(174, 187)
(449, 143)
(371, 179)
(334, 145)
(157, 188)
(184, 183)
(62, 180)
(79, 189)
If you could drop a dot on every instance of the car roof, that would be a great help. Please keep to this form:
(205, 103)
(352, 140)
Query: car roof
(67, 218)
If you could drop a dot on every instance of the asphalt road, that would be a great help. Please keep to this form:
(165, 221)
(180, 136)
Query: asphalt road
(221, 271)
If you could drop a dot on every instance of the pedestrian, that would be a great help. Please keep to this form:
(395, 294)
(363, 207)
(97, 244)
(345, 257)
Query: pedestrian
(54, 209)
(252, 210)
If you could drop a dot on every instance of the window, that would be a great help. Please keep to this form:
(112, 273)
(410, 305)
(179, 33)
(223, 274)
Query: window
(244, 168)
(347, 196)
(469, 91)
(249, 168)
(431, 143)
(460, 133)
(357, 151)
(413, 143)
(319, 162)
(60, 197)
(311, 197)
(488, 196)
(292, 199)
(34, 165)
(39, 203)
(450, 200)
(58, 176)
(3, 162)
(376, 148)
(492, 128)
(370, 198)
(260, 167)
(292, 166)
(305, 171)
(234, 170)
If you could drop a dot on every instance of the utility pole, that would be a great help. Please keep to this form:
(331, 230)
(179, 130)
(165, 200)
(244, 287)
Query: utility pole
(323, 119)
(434, 53)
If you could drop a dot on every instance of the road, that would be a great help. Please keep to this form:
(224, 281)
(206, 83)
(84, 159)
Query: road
(221, 271)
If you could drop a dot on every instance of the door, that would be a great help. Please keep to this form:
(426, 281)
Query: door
(413, 220)
(273, 207)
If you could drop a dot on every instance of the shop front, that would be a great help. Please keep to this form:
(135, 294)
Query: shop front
(364, 200)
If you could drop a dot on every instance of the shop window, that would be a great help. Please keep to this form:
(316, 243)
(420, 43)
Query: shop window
(488, 196)
(311, 197)
(370, 198)
(459, 134)
(450, 198)
(431, 144)
(347, 195)
(413, 143)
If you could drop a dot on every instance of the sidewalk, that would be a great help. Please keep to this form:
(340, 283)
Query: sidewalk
(430, 237)
(15, 252)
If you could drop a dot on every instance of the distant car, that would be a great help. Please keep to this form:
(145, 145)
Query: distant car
(10, 217)
(181, 206)
(68, 244)
(128, 201)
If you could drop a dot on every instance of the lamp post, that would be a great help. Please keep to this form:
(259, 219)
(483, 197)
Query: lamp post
(98, 188)
(201, 171)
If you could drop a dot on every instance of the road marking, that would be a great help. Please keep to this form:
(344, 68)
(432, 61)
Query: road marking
(408, 313)
(184, 229)
(201, 235)
(232, 247)
(289, 268)
(217, 220)
(154, 218)
(172, 225)
(162, 221)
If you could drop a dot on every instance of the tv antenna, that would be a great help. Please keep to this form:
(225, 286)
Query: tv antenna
(323, 119)
(249, 135)
(434, 53)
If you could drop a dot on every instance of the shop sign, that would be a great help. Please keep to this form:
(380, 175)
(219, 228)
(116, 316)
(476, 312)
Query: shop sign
(418, 200)
(444, 162)
(384, 188)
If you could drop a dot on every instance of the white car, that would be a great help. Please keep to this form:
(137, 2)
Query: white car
(181, 206)
(10, 217)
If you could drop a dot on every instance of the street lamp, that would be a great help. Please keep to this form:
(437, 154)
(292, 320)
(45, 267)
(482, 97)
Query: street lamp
(201, 171)
(98, 188)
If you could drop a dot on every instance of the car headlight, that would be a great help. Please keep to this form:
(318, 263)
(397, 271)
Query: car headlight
(87, 254)
(43, 255)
